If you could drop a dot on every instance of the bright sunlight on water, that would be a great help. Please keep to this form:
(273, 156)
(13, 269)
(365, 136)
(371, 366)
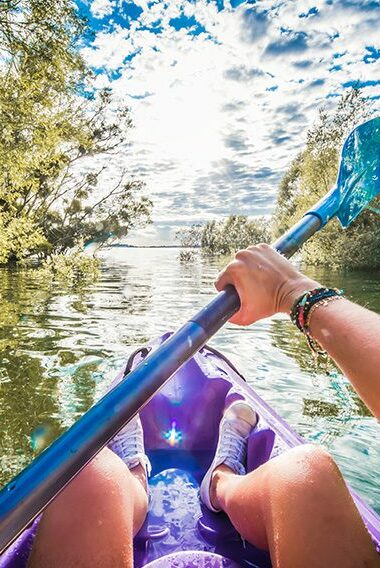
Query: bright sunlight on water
(60, 348)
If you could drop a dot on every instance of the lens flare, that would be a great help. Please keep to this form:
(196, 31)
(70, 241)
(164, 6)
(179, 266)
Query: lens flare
(40, 437)
(173, 436)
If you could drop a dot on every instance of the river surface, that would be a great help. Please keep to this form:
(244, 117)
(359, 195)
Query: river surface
(60, 347)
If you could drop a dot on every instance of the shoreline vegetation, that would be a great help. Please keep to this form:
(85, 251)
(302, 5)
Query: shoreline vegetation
(309, 177)
(59, 133)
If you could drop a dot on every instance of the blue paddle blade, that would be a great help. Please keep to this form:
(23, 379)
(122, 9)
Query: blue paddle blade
(359, 174)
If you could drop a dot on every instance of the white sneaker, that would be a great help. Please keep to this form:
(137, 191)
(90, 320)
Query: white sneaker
(128, 444)
(235, 427)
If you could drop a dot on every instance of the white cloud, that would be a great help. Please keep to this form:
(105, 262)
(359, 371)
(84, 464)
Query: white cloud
(101, 8)
(219, 114)
(109, 49)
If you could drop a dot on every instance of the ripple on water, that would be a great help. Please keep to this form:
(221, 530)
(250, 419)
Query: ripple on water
(60, 350)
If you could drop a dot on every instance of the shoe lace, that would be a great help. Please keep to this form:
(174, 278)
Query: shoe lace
(234, 449)
(126, 443)
(129, 447)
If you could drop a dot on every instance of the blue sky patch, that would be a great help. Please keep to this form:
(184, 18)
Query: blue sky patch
(312, 12)
(339, 55)
(131, 10)
(372, 54)
(358, 84)
(191, 24)
(364, 5)
(237, 3)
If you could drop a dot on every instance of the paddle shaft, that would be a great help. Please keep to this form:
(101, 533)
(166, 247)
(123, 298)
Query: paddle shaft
(26, 496)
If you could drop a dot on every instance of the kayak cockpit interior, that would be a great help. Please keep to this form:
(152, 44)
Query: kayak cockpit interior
(181, 425)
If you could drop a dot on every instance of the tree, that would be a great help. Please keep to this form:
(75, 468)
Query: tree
(234, 233)
(239, 232)
(53, 126)
(211, 237)
(190, 236)
(311, 175)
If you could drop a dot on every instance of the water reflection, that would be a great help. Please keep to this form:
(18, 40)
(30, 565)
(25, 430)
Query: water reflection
(27, 400)
(285, 336)
(57, 347)
(60, 348)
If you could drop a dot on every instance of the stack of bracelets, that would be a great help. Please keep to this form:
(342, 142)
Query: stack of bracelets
(304, 307)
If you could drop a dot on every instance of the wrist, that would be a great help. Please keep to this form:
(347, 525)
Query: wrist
(292, 289)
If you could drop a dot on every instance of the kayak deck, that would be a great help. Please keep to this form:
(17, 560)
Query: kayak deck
(181, 424)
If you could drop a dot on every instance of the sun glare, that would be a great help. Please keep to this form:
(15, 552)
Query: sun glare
(187, 126)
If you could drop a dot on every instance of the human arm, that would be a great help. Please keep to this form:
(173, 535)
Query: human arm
(267, 283)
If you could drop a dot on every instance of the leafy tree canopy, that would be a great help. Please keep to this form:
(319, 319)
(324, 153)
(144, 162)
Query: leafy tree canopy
(54, 129)
(227, 235)
(309, 177)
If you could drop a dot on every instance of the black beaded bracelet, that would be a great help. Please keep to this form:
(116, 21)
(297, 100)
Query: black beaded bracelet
(302, 309)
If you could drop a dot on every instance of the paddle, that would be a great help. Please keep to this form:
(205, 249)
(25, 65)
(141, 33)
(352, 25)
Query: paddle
(29, 493)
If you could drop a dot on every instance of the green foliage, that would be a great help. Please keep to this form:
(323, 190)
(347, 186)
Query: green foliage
(71, 269)
(234, 233)
(34, 32)
(311, 175)
(54, 127)
(190, 236)
(19, 237)
(225, 236)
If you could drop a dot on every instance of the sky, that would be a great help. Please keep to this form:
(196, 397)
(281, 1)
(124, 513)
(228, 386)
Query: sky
(222, 93)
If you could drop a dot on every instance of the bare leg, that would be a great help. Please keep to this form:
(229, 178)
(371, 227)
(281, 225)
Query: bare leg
(92, 522)
(297, 506)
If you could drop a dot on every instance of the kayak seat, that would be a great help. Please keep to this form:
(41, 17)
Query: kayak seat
(180, 532)
(170, 535)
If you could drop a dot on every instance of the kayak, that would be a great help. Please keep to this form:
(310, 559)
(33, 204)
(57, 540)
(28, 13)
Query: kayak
(181, 424)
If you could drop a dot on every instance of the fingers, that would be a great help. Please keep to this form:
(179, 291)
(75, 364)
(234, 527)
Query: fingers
(255, 273)
(235, 274)
(265, 281)
(243, 258)
(247, 259)
(227, 275)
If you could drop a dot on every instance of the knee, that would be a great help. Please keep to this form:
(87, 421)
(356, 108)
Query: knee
(316, 462)
(100, 483)
(306, 468)
(94, 518)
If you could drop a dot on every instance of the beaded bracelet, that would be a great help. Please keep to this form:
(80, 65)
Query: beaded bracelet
(304, 307)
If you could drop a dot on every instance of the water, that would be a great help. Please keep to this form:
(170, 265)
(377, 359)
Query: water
(60, 349)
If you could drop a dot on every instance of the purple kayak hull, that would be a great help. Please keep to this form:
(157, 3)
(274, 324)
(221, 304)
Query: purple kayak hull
(180, 430)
